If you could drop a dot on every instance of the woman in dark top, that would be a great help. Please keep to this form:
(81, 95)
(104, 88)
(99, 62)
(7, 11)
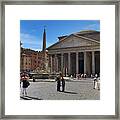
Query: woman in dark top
(58, 83)
(63, 83)
(25, 84)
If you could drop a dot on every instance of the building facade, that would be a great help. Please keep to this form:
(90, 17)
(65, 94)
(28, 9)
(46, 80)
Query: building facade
(36, 61)
(31, 60)
(77, 53)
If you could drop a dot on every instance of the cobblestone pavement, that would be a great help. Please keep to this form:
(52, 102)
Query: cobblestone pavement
(74, 90)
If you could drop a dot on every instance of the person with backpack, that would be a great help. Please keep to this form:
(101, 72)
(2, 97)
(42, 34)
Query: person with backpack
(25, 84)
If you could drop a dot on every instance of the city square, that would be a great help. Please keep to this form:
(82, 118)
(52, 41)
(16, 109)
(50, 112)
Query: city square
(75, 55)
(74, 90)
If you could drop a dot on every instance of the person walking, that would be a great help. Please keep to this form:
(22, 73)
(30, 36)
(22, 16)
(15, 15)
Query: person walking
(63, 83)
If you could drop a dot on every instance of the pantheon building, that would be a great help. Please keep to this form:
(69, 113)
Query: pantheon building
(77, 53)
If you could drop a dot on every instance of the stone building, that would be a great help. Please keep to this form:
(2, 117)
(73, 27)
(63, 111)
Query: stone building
(31, 60)
(36, 61)
(76, 53)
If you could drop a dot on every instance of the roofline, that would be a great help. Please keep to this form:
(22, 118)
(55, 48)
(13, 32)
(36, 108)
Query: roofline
(59, 41)
(76, 36)
(88, 31)
(93, 40)
(52, 45)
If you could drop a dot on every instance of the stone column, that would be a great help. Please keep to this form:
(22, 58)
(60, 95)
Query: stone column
(56, 63)
(51, 63)
(61, 62)
(69, 63)
(76, 62)
(85, 64)
(93, 62)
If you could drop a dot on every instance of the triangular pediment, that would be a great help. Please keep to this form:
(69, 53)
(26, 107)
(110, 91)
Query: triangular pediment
(74, 41)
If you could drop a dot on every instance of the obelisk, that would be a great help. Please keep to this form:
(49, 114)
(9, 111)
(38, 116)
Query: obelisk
(44, 51)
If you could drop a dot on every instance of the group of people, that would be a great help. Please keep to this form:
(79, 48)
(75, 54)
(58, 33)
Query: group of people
(80, 76)
(24, 83)
(94, 77)
(60, 83)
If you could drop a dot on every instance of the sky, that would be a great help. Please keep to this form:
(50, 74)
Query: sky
(31, 31)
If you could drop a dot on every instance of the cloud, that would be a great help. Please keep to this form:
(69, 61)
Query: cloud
(31, 41)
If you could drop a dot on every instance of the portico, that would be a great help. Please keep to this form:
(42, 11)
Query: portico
(76, 62)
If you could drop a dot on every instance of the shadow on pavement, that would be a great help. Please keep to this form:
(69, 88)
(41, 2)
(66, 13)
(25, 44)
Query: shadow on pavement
(34, 98)
(30, 98)
(70, 92)
(25, 98)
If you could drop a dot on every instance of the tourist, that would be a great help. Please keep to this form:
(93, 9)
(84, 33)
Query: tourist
(85, 75)
(58, 82)
(91, 76)
(33, 79)
(63, 83)
(82, 75)
(96, 75)
(25, 84)
(96, 83)
(71, 76)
